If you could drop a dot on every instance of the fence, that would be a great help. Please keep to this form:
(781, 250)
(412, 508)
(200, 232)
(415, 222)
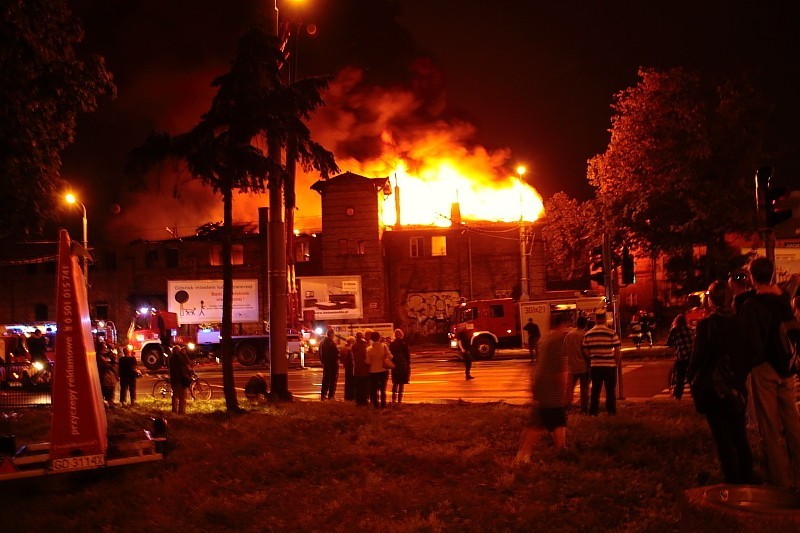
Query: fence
(22, 385)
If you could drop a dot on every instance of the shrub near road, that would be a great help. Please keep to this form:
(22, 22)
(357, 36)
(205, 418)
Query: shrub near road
(311, 466)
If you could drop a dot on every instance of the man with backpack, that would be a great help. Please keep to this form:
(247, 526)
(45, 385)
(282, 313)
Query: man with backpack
(772, 375)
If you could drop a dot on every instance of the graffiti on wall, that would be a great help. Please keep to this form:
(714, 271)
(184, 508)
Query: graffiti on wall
(429, 311)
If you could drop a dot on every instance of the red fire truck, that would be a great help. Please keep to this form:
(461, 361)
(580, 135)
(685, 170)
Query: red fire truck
(489, 324)
(150, 330)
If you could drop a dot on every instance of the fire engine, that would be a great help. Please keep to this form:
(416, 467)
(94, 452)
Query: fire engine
(489, 324)
(150, 330)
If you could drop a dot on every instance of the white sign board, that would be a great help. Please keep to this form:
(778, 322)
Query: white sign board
(787, 261)
(331, 297)
(199, 301)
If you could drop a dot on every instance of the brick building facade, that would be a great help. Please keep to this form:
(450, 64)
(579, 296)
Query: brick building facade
(410, 276)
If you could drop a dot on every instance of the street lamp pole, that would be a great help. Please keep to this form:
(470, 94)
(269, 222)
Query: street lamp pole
(523, 296)
(72, 199)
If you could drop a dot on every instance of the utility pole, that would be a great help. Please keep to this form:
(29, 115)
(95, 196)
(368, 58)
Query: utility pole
(276, 266)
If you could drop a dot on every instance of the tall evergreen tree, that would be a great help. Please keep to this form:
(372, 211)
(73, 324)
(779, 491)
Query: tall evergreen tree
(237, 146)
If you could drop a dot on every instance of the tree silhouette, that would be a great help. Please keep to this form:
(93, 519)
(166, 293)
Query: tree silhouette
(237, 146)
(679, 167)
(45, 84)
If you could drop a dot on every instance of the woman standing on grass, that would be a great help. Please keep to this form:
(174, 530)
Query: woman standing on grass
(379, 360)
(680, 339)
(717, 373)
(401, 357)
(549, 385)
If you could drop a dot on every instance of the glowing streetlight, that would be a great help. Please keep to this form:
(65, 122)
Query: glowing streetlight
(73, 200)
(523, 296)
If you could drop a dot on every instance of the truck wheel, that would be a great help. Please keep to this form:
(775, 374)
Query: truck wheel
(247, 354)
(483, 347)
(152, 357)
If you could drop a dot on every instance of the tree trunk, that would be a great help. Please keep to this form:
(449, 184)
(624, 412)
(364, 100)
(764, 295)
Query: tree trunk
(228, 385)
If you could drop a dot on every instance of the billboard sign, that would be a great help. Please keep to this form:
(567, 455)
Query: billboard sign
(79, 432)
(199, 301)
(331, 297)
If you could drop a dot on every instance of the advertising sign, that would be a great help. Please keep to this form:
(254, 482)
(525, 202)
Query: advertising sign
(199, 301)
(79, 427)
(787, 261)
(331, 297)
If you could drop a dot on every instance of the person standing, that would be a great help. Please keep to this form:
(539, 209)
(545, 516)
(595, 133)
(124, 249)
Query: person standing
(464, 346)
(773, 382)
(37, 346)
(680, 339)
(379, 359)
(107, 372)
(360, 369)
(180, 379)
(534, 335)
(602, 347)
(578, 365)
(346, 357)
(127, 376)
(548, 387)
(401, 357)
(739, 282)
(720, 350)
(329, 355)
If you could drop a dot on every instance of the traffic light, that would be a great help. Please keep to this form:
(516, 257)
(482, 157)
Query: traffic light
(771, 198)
(596, 270)
(774, 198)
(628, 271)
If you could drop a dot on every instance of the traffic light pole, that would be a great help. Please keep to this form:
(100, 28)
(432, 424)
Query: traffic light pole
(611, 298)
(767, 234)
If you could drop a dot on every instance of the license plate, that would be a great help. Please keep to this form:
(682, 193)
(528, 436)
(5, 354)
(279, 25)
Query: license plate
(82, 462)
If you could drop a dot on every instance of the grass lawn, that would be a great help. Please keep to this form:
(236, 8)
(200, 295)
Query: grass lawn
(312, 466)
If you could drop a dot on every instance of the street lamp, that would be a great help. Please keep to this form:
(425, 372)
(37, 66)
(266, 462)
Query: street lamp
(523, 295)
(72, 199)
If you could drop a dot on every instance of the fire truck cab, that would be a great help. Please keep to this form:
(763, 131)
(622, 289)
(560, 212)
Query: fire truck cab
(488, 324)
(150, 331)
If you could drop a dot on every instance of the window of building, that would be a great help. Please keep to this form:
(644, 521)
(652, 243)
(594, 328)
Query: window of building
(359, 250)
(151, 258)
(215, 255)
(40, 312)
(172, 257)
(101, 311)
(415, 247)
(438, 245)
(237, 254)
(344, 247)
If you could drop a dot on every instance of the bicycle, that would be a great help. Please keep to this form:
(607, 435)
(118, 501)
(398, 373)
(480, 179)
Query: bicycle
(200, 389)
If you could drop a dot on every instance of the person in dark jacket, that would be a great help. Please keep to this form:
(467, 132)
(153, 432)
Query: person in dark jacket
(548, 388)
(720, 346)
(180, 378)
(127, 376)
(360, 369)
(401, 357)
(37, 346)
(346, 356)
(773, 381)
(329, 355)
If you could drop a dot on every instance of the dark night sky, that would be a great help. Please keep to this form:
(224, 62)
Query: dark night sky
(536, 78)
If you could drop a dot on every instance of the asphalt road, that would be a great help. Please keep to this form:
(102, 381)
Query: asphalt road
(437, 376)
